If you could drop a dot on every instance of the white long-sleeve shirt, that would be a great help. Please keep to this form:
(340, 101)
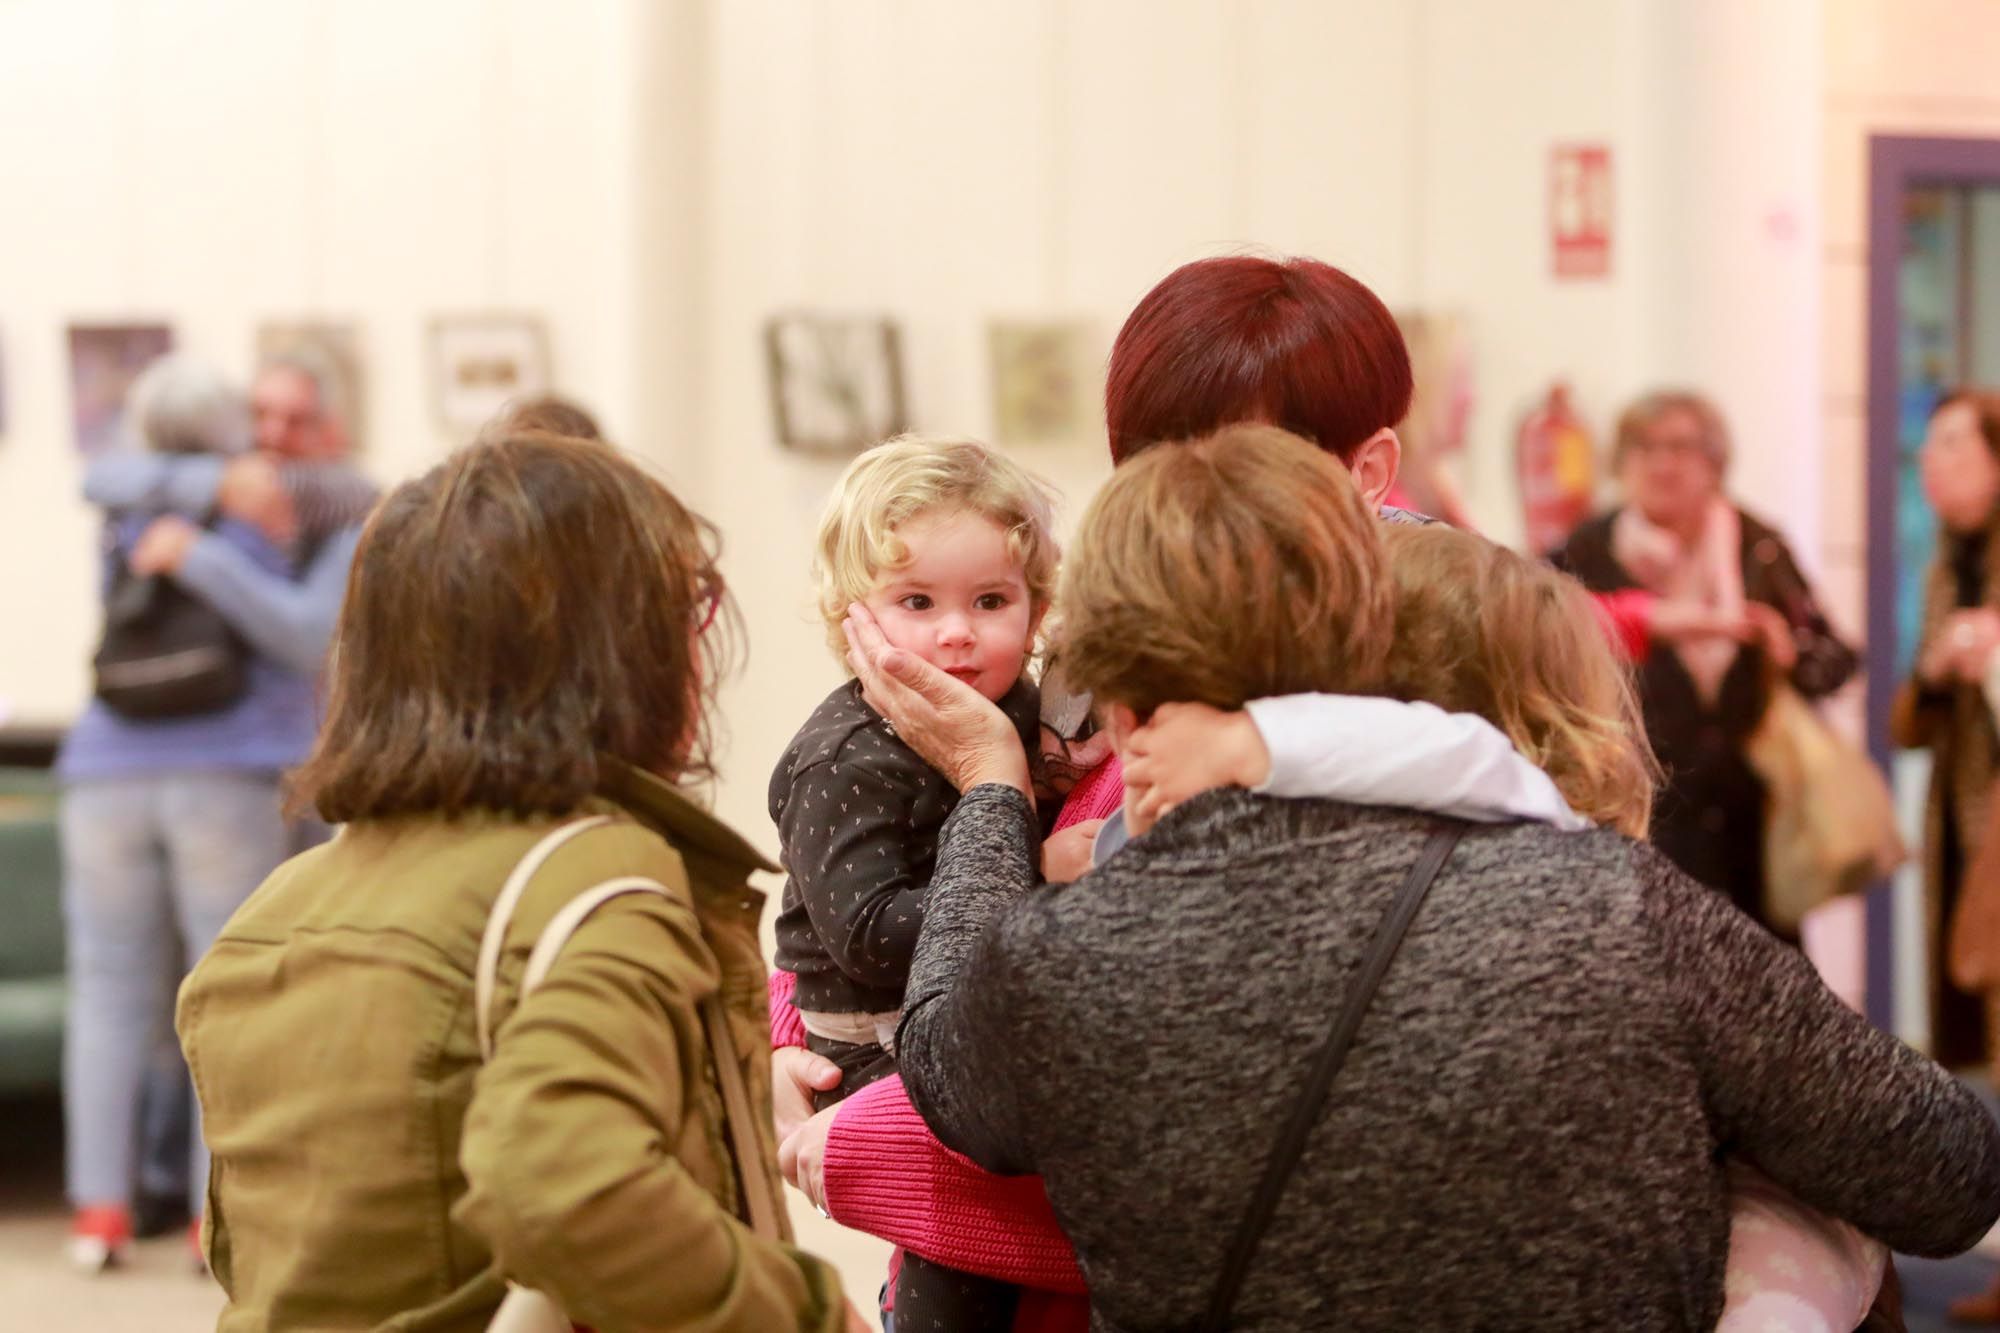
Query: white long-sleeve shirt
(1373, 751)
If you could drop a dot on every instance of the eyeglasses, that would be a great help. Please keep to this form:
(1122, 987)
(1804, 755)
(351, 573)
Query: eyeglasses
(709, 597)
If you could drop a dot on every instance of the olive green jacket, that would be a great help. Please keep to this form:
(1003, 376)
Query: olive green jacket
(369, 1173)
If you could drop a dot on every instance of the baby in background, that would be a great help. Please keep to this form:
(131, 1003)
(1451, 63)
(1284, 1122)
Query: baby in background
(949, 545)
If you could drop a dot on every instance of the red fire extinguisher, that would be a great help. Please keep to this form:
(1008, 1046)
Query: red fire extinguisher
(1556, 462)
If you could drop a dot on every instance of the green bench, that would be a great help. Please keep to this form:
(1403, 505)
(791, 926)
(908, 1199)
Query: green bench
(31, 933)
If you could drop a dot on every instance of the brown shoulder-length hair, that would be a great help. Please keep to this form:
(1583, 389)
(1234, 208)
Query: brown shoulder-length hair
(1225, 569)
(522, 611)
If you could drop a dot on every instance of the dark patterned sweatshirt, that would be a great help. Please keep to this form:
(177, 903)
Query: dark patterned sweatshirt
(858, 815)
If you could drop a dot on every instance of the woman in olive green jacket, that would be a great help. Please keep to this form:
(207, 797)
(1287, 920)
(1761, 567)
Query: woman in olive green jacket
(531, 635)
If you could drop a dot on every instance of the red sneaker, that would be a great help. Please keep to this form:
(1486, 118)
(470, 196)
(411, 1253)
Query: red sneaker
(100, 1236)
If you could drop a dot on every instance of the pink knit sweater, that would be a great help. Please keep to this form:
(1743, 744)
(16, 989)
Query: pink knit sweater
(887, 1175)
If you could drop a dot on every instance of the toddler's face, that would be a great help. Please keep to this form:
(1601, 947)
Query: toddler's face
(961, 603)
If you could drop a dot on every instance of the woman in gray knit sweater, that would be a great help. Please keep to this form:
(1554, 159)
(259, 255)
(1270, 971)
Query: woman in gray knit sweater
(1527, 1131)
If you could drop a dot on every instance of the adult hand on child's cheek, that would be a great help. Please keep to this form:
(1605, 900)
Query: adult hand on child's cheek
(951, 726)
(1066, 854)
(796, 1074)
(802, 1156)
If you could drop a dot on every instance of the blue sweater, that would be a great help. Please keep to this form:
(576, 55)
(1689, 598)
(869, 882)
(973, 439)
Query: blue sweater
(286, 618)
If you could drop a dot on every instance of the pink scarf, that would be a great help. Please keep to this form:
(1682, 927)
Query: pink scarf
(1710, 572)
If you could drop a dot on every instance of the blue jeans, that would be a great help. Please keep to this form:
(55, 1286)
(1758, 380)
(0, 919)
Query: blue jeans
(152, 869)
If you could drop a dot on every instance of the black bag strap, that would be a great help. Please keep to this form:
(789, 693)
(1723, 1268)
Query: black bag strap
(1306, 1111)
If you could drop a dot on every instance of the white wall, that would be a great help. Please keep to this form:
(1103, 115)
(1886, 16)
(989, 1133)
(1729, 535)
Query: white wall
(946, 163)
(216, 163)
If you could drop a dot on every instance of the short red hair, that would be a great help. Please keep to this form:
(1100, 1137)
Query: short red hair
(1295, 343)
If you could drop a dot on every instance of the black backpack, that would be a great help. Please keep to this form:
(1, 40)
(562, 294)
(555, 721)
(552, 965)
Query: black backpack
(165, 652)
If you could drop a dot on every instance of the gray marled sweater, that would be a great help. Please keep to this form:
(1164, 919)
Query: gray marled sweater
(1526, 1133)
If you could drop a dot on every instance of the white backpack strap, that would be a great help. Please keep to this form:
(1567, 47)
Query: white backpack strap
(738, 1113)
(564, 923)
(486, 975)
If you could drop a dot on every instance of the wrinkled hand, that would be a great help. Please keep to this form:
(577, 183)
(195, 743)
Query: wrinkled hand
(796, 1074)
(802, 1156)
(1767, 627)
(251, 490)
(955, 729)
(1066, 854)
(163, 547)
(1185, 750)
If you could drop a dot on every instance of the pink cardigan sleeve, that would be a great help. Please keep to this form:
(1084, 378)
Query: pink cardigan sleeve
(787, 1028)
(888, 1176)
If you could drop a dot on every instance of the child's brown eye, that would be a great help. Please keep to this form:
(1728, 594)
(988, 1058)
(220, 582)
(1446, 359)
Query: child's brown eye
(916, 601)
(992, 601)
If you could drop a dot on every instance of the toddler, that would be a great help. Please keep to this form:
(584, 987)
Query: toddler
(949, 545)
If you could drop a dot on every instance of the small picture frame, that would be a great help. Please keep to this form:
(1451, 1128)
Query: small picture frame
(481, 362)
(1046, 380)
(836, 381)
(104, 359)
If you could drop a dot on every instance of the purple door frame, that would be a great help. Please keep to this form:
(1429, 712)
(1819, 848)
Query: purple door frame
(1894, 164)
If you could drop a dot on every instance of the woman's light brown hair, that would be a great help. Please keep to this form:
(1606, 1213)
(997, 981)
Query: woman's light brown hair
(1223, 570)
(1481, 629)
(526, 609)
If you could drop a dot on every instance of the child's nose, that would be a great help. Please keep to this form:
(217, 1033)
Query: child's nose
(954, 630)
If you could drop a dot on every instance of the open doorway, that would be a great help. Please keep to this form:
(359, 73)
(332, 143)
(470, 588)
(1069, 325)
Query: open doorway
(1933, 326)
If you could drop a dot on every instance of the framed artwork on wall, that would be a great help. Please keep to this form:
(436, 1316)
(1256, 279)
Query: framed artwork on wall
(1046, 380)
(836, 381)
(104, 359)
(481, 362)
(334, 349)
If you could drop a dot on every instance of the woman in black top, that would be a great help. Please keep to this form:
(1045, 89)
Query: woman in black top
(1680, 537)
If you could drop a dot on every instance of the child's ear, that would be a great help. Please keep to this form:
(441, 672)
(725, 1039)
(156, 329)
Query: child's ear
(1035, 619)
(1118, 722)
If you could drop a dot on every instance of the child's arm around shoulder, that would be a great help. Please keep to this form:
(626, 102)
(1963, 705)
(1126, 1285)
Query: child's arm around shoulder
(1365, 749)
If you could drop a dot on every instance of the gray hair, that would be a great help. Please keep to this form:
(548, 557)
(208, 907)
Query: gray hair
(1647, 410)
(179, 405)
(306, 358)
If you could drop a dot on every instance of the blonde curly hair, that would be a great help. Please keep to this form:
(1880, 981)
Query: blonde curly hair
(892, 483)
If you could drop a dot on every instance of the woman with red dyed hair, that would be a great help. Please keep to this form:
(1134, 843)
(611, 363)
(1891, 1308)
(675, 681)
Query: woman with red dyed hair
(1294, 343)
